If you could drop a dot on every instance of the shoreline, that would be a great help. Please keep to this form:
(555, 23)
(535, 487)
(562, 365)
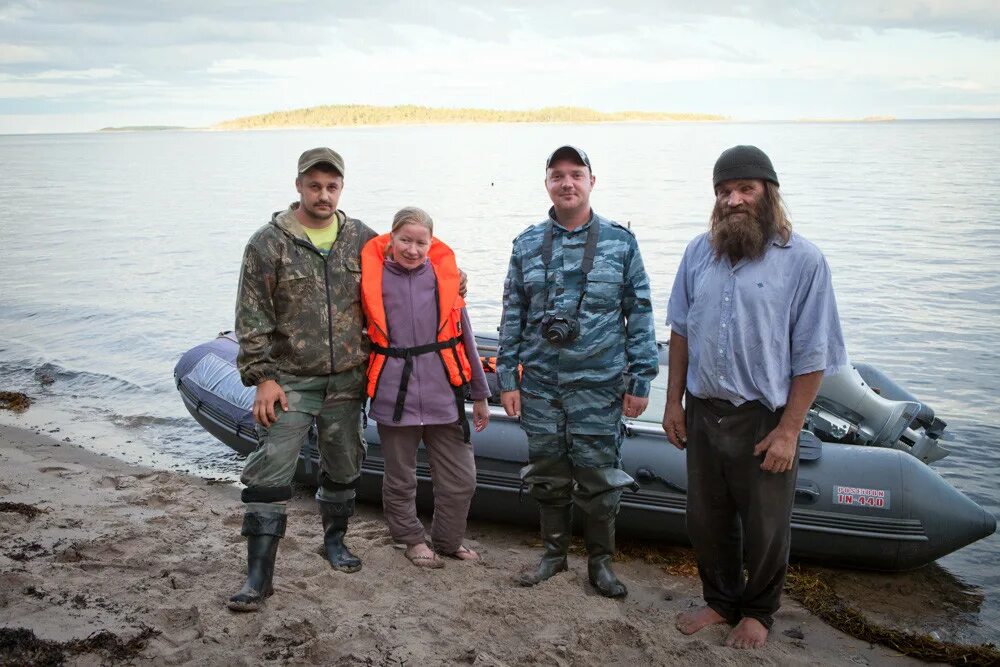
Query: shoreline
(150, 555)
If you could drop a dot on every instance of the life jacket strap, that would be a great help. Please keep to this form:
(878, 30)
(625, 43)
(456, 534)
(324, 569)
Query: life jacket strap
(407, 354)
(462, 418)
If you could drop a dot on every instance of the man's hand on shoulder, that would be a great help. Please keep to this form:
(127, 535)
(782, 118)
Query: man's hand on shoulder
(511, 401)
(633, 406)
(269, 392)
(779, 449)
(674, 424)
(463, 283)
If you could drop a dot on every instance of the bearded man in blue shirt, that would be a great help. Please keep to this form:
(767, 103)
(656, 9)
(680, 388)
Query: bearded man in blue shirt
(754, 327)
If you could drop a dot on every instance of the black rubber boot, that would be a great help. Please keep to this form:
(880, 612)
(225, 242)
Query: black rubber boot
(599, 536)
(335, 517)
(557, 529)
(263, 532)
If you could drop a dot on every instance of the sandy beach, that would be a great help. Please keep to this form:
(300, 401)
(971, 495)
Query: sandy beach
(141, 561)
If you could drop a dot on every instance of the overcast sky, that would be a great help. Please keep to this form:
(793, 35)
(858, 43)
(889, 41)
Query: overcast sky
(71, 66)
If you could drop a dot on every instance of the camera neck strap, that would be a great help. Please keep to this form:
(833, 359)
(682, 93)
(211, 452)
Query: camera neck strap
(589, 253)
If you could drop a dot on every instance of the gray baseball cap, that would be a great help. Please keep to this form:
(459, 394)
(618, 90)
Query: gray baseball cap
(569, 153)
(322, 155)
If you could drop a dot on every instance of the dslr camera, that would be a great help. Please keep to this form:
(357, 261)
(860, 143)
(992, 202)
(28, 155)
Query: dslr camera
(560, 330)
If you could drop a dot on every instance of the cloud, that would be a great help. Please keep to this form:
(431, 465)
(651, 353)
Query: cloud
(971, 109)
(963, 85)
(14, 53)
(224, 58)
(58, 83)
(91, 74)
(977, 18)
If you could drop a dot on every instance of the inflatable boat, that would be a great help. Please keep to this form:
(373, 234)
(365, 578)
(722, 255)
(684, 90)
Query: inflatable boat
(865, 496)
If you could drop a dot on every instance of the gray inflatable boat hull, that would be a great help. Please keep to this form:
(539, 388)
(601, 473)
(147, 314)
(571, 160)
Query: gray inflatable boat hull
(860, 507)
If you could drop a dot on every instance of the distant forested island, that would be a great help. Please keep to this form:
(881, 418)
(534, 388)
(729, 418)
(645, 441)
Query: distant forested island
(363, 114)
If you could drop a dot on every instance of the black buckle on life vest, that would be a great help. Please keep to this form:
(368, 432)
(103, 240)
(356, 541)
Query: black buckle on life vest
(407, 354)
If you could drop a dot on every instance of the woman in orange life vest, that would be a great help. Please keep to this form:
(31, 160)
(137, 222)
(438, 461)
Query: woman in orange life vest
(423, 362)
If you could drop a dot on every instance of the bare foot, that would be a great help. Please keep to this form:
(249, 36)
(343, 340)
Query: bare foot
(461, 553)
(690, 622)
(422, 556)
(748, 633)
(465, 553)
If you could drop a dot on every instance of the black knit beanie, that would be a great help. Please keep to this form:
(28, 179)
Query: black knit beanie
(743, 162)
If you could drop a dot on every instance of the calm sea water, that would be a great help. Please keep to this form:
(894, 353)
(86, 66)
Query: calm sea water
(118, 252)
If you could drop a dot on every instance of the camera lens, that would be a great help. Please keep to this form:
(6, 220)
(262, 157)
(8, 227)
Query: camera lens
(558, 331)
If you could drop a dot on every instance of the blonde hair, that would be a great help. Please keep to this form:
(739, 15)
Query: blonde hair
(411, 215)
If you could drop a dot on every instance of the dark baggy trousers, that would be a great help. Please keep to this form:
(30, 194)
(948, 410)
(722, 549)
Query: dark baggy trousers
(734, 506)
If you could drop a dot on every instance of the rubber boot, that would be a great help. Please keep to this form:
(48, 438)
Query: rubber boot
(557, 529)
(263, 532)
(599, 536)
(335, 517)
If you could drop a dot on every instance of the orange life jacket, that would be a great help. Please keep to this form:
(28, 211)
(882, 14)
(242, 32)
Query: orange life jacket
(448, 344)
(490, 365)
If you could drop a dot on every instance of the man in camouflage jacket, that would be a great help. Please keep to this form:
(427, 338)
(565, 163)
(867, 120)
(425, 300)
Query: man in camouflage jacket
(299, 325)
(571, 390)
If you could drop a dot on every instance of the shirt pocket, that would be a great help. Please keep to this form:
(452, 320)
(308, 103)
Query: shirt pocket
(604, 290)
(296, 283)
(352, 271)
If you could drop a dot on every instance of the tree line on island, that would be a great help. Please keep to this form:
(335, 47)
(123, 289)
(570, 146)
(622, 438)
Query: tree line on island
(364, 114)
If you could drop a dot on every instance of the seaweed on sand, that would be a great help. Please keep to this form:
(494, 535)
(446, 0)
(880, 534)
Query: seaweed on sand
(677, 561)
(816, 595)
(20, 646)
(14, 400)
(819, 598)
(28, 511)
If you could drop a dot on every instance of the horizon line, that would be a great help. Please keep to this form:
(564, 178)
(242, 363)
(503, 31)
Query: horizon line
(869, 120)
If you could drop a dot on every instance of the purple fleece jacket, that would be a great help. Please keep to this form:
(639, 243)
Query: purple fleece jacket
(411, 313)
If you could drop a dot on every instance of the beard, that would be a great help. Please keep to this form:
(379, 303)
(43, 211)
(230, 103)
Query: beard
(742, 232)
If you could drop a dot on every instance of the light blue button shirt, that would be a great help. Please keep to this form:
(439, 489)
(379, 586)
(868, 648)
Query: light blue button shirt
(751, 327)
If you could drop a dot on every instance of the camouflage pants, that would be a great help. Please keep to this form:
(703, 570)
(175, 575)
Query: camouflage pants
(574, 445)
(334, 403)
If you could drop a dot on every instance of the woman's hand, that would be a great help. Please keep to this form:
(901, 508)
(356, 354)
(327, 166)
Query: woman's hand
(480, 414)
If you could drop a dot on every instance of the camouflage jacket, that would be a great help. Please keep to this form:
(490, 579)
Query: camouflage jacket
(296, 311)
(617, 333)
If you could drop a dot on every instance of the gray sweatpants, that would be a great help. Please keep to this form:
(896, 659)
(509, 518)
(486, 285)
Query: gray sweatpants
(734, 506)
(453, 474)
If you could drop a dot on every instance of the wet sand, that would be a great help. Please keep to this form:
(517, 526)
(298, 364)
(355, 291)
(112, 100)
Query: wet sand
(152, 555)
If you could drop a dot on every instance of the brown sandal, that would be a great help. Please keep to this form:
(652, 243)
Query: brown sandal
(431, 562)
(463, 553)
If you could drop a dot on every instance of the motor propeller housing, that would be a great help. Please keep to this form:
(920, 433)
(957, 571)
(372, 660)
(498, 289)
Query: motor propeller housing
(847, 409)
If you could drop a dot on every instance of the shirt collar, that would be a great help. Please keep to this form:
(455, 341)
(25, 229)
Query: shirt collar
(557, 226)
(399, 269)
(290, 223)
(777, 241)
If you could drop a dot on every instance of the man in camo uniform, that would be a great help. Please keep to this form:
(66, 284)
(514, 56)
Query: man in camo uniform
(576, 267)
(299, 324)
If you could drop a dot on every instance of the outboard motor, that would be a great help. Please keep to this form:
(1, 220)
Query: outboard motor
(848, 410)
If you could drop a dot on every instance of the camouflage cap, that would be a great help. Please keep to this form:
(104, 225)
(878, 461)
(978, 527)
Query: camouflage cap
(322, 155)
